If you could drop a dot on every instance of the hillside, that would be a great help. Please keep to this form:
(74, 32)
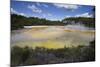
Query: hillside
(18, 21)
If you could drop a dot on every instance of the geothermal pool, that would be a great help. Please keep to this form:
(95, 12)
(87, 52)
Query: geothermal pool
(52, 36)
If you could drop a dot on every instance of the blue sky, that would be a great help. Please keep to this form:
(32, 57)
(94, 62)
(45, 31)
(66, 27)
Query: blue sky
(50, 11)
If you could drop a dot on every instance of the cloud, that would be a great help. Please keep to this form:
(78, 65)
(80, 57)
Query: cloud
(45, 15)
(16, 12)
(22, 14)
(35, 9)
(68, 7)
(84, 15)
(45, 5)
(67, 16)
(13, 11)
(38, 4)
(49, 14)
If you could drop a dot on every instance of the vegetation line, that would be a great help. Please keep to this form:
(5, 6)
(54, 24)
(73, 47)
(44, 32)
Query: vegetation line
(28, 56)
(18, 21)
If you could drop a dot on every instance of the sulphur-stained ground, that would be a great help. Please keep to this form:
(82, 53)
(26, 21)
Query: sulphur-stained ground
(51, 37)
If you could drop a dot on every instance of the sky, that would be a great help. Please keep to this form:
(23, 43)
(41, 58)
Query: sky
(50, 11)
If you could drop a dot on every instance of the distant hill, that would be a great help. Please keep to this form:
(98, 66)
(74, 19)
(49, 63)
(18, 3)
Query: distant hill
(18, 21)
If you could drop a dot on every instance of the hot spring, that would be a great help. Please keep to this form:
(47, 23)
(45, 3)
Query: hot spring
(53, 36)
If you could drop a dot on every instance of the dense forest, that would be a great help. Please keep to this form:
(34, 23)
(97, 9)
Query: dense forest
(28, 56)
(18, 21)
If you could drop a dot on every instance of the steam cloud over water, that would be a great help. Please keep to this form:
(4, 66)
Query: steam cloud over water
(77, 26)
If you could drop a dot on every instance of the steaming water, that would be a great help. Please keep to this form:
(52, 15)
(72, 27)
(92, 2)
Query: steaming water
(79, 27)
(53, 36)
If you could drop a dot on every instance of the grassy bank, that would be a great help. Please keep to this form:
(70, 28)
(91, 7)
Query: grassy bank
(28, 56)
